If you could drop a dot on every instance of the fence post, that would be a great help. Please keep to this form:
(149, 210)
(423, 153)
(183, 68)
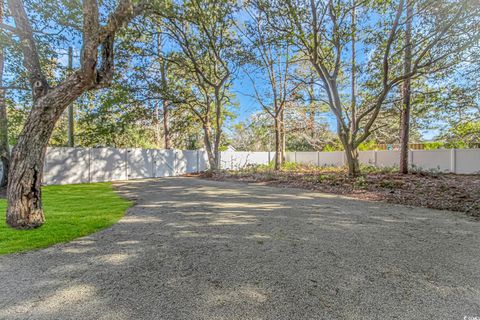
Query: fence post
(453, 164)
(410, 157)
(318, 158)
(375, 158)
(295, 156)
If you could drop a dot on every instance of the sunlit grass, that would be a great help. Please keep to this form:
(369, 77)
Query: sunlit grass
(71, 211)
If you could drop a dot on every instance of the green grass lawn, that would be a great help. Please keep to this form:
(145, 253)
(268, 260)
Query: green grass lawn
(71, 211)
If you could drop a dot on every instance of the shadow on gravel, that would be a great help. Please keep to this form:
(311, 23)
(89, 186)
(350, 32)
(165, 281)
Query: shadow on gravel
(196, 249)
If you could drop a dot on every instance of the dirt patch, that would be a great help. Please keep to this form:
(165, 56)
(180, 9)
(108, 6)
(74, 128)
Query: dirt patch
(423, 189)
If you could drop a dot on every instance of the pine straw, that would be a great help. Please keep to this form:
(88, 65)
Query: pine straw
(424, 189)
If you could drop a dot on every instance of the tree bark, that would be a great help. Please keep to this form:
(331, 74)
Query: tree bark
(166, 129)
(352, 160)
(212, 159)
(71, 130)
(278, 144)
(4, 148)
(25, 208)
(406, 92)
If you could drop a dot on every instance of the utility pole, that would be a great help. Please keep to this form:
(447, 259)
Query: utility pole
(71, 142)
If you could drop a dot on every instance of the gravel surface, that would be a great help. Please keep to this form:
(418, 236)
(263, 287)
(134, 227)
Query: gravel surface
(198, 249)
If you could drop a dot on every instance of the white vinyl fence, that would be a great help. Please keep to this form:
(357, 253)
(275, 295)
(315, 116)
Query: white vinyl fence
(462, 161)
(83, 165)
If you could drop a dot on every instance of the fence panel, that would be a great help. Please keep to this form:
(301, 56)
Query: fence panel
(431, 159)
(108, 164)
(388, 158)
(335, 158)
(163, 163)
(367, 157)
(139, 163)
(290, 156)
(467, 161)
(180, 162)
(233, 160)
(66, 166)
(190, 160)
(310, 158)
(203, 160)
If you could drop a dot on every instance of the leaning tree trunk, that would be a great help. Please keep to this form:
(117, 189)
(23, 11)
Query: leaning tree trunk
(25, 208)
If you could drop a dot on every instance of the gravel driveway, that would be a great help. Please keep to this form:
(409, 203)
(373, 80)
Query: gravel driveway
(198, 249)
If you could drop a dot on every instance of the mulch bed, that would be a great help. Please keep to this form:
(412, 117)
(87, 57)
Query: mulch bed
(431, 190)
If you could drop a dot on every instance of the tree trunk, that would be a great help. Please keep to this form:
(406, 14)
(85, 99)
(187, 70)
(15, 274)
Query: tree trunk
(352, 160)
(218, 126)
(71, 130)
(212, 159)
(406, 92)
(166, 130)
(25, 208)
(282, 134)
(4, 149)
(278, 144)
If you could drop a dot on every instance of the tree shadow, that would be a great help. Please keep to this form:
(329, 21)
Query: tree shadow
(197, 249)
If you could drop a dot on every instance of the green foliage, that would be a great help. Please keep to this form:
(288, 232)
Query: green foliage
(433, 145)
(463, 135)
(367, 145)
(290, 166)
(71, 211)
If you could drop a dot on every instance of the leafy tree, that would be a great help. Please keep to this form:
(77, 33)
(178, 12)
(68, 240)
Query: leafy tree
(204, 65)
(271, 78)
(322, 31)
(51, 94)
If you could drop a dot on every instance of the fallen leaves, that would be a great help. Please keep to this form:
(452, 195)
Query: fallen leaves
(438, 191)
